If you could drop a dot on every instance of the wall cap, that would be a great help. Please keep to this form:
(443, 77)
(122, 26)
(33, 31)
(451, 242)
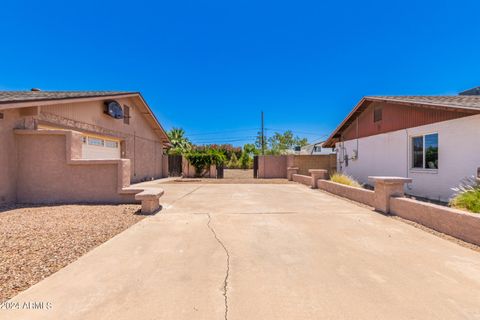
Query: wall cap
(384, 179)
(317, 170)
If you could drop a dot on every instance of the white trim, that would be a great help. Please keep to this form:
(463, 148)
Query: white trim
(410, 143)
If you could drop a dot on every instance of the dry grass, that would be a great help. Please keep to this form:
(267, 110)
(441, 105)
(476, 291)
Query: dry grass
(468, 201)
(344, 179)
(38, 241)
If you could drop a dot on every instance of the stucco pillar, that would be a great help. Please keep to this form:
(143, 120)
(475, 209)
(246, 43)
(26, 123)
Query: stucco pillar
(317, 174)
(386, 187)
(290, 172)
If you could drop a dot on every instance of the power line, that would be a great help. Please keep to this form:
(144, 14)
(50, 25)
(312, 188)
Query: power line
(220, 132)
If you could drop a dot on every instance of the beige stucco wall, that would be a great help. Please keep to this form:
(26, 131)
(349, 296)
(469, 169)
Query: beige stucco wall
(307, 162)
(48, 171)
(8, 155)
(188, 171)
(270, 167)
(356, 194)
(141, 144)
(276, 166)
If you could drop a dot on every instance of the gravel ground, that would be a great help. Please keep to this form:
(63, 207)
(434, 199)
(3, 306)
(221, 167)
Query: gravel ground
(38, 241)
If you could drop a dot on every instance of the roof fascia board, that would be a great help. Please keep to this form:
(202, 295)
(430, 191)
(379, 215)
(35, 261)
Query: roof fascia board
(48, 102)
(151, 115)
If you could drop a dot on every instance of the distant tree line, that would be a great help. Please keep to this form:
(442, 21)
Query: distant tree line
(230, 156)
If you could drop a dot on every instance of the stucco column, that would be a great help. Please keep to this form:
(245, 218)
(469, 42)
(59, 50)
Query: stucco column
(317, 174)
(386, 187)
(290, 172)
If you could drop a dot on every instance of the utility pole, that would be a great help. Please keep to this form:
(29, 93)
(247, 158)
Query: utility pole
(263, 137)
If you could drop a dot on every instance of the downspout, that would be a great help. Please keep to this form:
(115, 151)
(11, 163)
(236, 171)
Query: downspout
(134, 153)
(356, 156)
(409, 187)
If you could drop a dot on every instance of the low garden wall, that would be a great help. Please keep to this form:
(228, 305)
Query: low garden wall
(50, 170)
(389, 198)
(306, 162)
(456, 223)
(276, 166)
(356, 194)
(306, 180)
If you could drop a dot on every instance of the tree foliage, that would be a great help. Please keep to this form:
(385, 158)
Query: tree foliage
(202, 160)
(279, 143)
(180, 143)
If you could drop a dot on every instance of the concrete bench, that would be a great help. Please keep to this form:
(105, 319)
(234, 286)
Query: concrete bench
(150, 200)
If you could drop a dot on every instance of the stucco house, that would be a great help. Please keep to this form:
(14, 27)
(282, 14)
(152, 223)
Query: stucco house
(77, 146)
(432, 139)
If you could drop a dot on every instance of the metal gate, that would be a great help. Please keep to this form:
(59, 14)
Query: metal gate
(174, 166)
(255, 167)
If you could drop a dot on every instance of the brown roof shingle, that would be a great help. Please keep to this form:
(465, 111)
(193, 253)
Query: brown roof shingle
(25, 96)
(457, 102)
(454, 103)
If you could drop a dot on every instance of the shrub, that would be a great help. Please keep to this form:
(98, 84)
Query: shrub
(202, 160)
(245, 161)
(467, 195)
(344, 179)
(233, 163)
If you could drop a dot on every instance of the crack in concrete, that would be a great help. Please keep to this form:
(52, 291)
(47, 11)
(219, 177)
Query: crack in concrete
(227, 273)
(185, 195)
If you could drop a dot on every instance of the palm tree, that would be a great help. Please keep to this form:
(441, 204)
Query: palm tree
(180, 143)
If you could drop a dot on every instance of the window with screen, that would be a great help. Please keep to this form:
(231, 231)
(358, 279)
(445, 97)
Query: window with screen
(425, 152)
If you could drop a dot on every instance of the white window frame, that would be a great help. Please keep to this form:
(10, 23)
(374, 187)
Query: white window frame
(111, 144)
(423, 169)
(94, 144)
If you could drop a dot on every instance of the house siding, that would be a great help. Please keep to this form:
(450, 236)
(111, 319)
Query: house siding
(396, 117)
(8, 155)
(141, 144)
(390, 154)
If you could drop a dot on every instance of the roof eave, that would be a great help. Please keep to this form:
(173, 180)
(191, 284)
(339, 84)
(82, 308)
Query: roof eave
(51, 101)
(330, 142)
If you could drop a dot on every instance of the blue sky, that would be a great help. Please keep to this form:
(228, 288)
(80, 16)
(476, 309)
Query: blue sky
(210, 67)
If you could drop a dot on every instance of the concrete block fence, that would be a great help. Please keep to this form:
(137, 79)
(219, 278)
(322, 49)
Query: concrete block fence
(388, 197)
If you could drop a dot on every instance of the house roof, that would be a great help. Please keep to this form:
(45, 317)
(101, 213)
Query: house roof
(463, 103)
(25, 96)
(21, 99)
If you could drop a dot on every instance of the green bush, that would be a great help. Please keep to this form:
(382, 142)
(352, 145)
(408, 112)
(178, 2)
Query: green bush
(467, 195)
(468, 201)
(233, 163)
(344, 179)
(245, 161)
(202, 160)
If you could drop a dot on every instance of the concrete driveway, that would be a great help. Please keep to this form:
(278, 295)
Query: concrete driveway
(263, 252)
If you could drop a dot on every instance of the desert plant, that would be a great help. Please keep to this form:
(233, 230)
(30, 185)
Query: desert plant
(467, 195)
(344, 179)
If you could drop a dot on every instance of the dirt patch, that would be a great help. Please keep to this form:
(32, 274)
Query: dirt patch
(38, 241)
(238, 174)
